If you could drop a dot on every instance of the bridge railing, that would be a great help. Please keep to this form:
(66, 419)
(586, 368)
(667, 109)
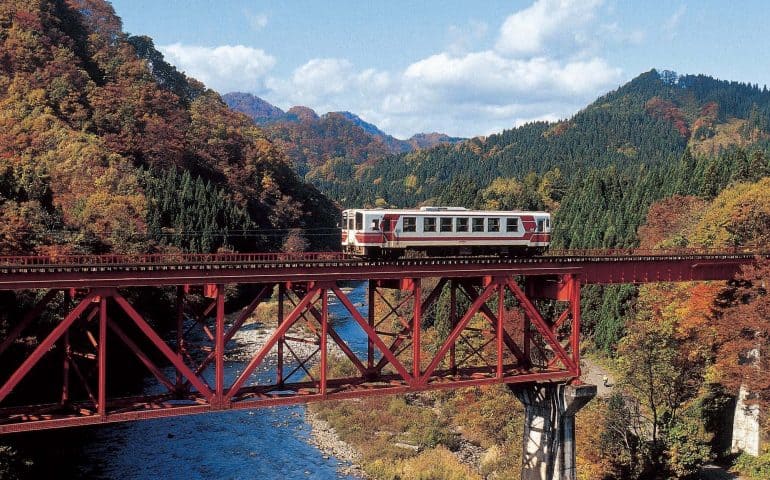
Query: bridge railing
(647, 252)
(167, 258)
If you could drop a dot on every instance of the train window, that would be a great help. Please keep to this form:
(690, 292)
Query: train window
(512, 225)
(493, 225)
(359, 221)
(429, 224)
(547, 223)
(462, 224)
(410, 224)
(477, 224)
(344, 220)
(375, 224)
(446, 224)
(385, 224)
(541, 225)
(350, 223)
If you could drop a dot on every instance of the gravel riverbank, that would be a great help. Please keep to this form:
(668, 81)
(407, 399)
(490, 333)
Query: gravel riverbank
(325, 439)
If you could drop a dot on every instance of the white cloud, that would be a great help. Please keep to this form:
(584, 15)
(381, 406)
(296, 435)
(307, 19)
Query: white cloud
(330, 84)
(484, 92)
(322, 77)
(224, 68)
(462, 95)
(548, 27)
(486, 77)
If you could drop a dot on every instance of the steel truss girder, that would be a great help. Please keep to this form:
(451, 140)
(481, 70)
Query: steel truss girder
(502, 354)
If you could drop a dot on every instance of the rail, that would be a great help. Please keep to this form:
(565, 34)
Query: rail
(652, 252)
(306, 257)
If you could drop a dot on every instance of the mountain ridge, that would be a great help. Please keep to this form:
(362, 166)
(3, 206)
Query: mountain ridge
(310, 134)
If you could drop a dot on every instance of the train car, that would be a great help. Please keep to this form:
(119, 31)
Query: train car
(441, 231)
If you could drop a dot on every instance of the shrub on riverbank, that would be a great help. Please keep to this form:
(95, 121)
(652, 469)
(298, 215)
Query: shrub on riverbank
(386, 428)
(753, 468)
(433, 464)
(413, 437)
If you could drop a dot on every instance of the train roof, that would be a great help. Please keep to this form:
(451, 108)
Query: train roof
(443, 210)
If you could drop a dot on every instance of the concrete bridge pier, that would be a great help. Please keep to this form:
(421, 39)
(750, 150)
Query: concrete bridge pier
(549, 428)
(746, 432)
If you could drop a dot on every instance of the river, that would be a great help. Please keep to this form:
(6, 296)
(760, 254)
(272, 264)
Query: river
(267, 443)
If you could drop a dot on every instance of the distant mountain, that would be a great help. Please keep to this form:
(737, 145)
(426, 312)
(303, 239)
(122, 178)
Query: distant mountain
(302, 114)
(366, 126)
(422, 141)
(393, 144)
(311, 140)
(418, 141)
(256, 108)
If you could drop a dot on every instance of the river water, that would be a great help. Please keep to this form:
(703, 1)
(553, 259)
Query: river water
(267, 443)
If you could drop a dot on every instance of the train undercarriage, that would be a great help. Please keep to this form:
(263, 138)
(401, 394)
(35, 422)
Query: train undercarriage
(444, 251)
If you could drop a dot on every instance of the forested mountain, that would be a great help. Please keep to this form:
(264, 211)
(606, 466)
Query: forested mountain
(106, 147)
(658, 135)
(312, 141)
(420, 141)
(681, 349)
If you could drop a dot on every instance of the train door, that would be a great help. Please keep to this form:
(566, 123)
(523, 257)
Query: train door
(348, 226)
(388, 226)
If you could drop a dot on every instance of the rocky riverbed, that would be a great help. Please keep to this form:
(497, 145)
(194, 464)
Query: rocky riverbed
(325, 438)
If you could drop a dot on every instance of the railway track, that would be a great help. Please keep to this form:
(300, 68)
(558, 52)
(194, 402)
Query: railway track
(213, 262)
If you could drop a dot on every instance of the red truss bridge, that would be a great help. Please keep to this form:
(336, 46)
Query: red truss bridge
(508, 320)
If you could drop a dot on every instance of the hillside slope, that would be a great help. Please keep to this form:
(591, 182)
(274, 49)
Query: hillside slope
(105, 147)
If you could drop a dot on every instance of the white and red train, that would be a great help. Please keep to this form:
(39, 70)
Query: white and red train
(437, 231)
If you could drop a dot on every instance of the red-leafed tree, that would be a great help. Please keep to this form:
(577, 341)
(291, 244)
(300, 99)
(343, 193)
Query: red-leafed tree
(668, 218)
(742, 325)
(660, 108)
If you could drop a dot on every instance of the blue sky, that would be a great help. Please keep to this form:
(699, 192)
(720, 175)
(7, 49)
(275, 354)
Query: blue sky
(460, 67)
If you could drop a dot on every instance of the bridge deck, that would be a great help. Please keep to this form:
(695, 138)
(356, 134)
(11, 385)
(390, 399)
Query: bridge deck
(593, 267)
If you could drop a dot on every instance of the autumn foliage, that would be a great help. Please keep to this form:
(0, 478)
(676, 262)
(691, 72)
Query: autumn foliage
(668, 111)
(743, 333)
(85, 109)
(671, 215)
(687, 346)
